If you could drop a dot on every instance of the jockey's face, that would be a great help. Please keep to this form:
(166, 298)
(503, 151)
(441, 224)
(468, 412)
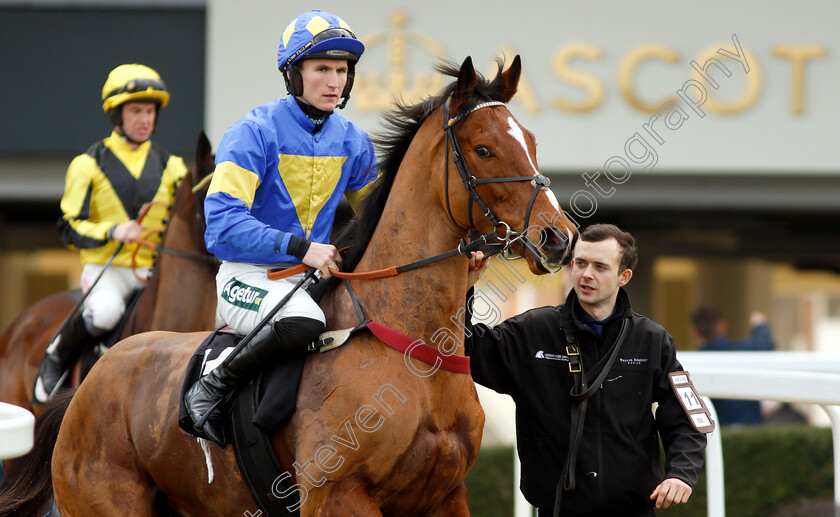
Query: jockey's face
(138, 120)
(323, 82)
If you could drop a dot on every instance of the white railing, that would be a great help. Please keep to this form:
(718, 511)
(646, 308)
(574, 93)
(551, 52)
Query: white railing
(798, 377)
(17, 431)
(790, 361)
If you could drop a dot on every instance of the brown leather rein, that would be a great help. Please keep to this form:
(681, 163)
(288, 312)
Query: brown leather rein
(144, 242)
(464, 248)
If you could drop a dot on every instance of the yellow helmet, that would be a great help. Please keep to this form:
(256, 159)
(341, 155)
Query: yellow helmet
(133, 83)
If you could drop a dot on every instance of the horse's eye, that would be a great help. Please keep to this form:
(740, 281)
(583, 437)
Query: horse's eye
(483, 152)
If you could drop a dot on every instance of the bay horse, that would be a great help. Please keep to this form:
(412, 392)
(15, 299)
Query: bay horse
(370, 436)
(180, 295)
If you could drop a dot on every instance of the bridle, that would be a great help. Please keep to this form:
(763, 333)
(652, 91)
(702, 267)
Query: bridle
(539, 182)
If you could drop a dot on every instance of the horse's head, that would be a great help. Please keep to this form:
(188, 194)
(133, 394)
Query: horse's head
(492, 182)
(188, 204)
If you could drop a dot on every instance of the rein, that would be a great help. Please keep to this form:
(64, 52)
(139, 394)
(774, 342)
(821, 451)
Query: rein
(416, 348)
(143, 241)
(464, 248)
(157, 248)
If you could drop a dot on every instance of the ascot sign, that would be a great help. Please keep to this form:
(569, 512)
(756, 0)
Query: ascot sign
(571, 65)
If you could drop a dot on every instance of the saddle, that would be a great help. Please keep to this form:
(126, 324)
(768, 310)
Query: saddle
(277, 388)
(270, 485)
(258, 409)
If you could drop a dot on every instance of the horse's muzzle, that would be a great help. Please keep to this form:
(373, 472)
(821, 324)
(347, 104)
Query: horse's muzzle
(556, 248)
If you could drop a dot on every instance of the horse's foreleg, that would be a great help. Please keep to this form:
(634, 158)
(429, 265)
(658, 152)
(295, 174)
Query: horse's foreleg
(456, 504)
(349, 497)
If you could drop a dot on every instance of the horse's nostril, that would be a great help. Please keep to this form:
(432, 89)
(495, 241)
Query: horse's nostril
(554, 239)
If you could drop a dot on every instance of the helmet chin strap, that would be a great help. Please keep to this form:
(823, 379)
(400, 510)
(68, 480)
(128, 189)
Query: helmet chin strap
(343, 103)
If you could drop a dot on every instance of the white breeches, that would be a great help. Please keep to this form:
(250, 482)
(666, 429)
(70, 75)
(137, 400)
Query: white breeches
(246, 296)
(105, 304)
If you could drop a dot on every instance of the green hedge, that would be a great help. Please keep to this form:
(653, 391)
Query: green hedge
(769, 471)
(490, 483)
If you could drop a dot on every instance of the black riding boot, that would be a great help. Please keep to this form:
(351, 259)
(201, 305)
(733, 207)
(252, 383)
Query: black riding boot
(204, 399)
(61, 352)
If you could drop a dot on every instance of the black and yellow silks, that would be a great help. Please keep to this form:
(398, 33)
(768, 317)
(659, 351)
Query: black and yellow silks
(108, 185)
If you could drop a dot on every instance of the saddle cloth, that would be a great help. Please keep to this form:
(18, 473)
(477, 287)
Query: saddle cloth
(278, 389)
(259, 408)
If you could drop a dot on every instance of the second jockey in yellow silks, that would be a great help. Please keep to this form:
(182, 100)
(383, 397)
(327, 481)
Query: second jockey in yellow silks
(105, 189)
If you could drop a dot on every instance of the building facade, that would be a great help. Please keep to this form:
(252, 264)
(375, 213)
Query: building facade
(707, 132)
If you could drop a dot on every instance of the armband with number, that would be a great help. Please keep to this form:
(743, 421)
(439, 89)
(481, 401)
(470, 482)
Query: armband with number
(694, 407)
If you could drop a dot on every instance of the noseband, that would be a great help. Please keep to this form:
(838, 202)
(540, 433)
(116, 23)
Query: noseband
(539, 182)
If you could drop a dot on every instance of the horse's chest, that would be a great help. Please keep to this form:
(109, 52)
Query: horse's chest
(436, 461)
(446, 444)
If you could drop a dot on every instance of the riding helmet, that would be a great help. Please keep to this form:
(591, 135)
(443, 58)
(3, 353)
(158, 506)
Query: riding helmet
(317, 35)
(133, 83)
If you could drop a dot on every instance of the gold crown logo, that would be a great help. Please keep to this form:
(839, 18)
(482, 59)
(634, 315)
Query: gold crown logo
(375, 90)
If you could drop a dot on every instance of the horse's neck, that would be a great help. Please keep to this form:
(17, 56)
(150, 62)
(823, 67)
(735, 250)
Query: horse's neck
(414, 226)
(181, 294)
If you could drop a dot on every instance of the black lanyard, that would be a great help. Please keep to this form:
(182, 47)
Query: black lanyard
(581, 392)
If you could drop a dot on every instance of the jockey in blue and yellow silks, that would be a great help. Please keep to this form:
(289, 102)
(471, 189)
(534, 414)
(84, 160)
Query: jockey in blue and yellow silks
(281, 172)
(275, 178)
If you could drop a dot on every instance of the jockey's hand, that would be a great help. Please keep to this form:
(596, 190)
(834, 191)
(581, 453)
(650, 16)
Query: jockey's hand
(671, 491)
(128, 231)
(323, 257)
(478, 263)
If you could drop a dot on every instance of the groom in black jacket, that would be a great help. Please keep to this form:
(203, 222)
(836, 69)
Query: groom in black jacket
(584, 376)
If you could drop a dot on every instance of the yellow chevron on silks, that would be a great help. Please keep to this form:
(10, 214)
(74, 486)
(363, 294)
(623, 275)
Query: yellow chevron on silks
(310, 180)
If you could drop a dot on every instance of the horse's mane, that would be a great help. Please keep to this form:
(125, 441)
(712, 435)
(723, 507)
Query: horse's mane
(392, 142)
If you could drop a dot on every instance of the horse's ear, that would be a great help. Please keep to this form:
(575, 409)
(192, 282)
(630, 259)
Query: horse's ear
(203, 156)
(510, 80)
(467, 81)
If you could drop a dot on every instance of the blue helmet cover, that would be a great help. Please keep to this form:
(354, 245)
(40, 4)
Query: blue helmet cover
(316, 32)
